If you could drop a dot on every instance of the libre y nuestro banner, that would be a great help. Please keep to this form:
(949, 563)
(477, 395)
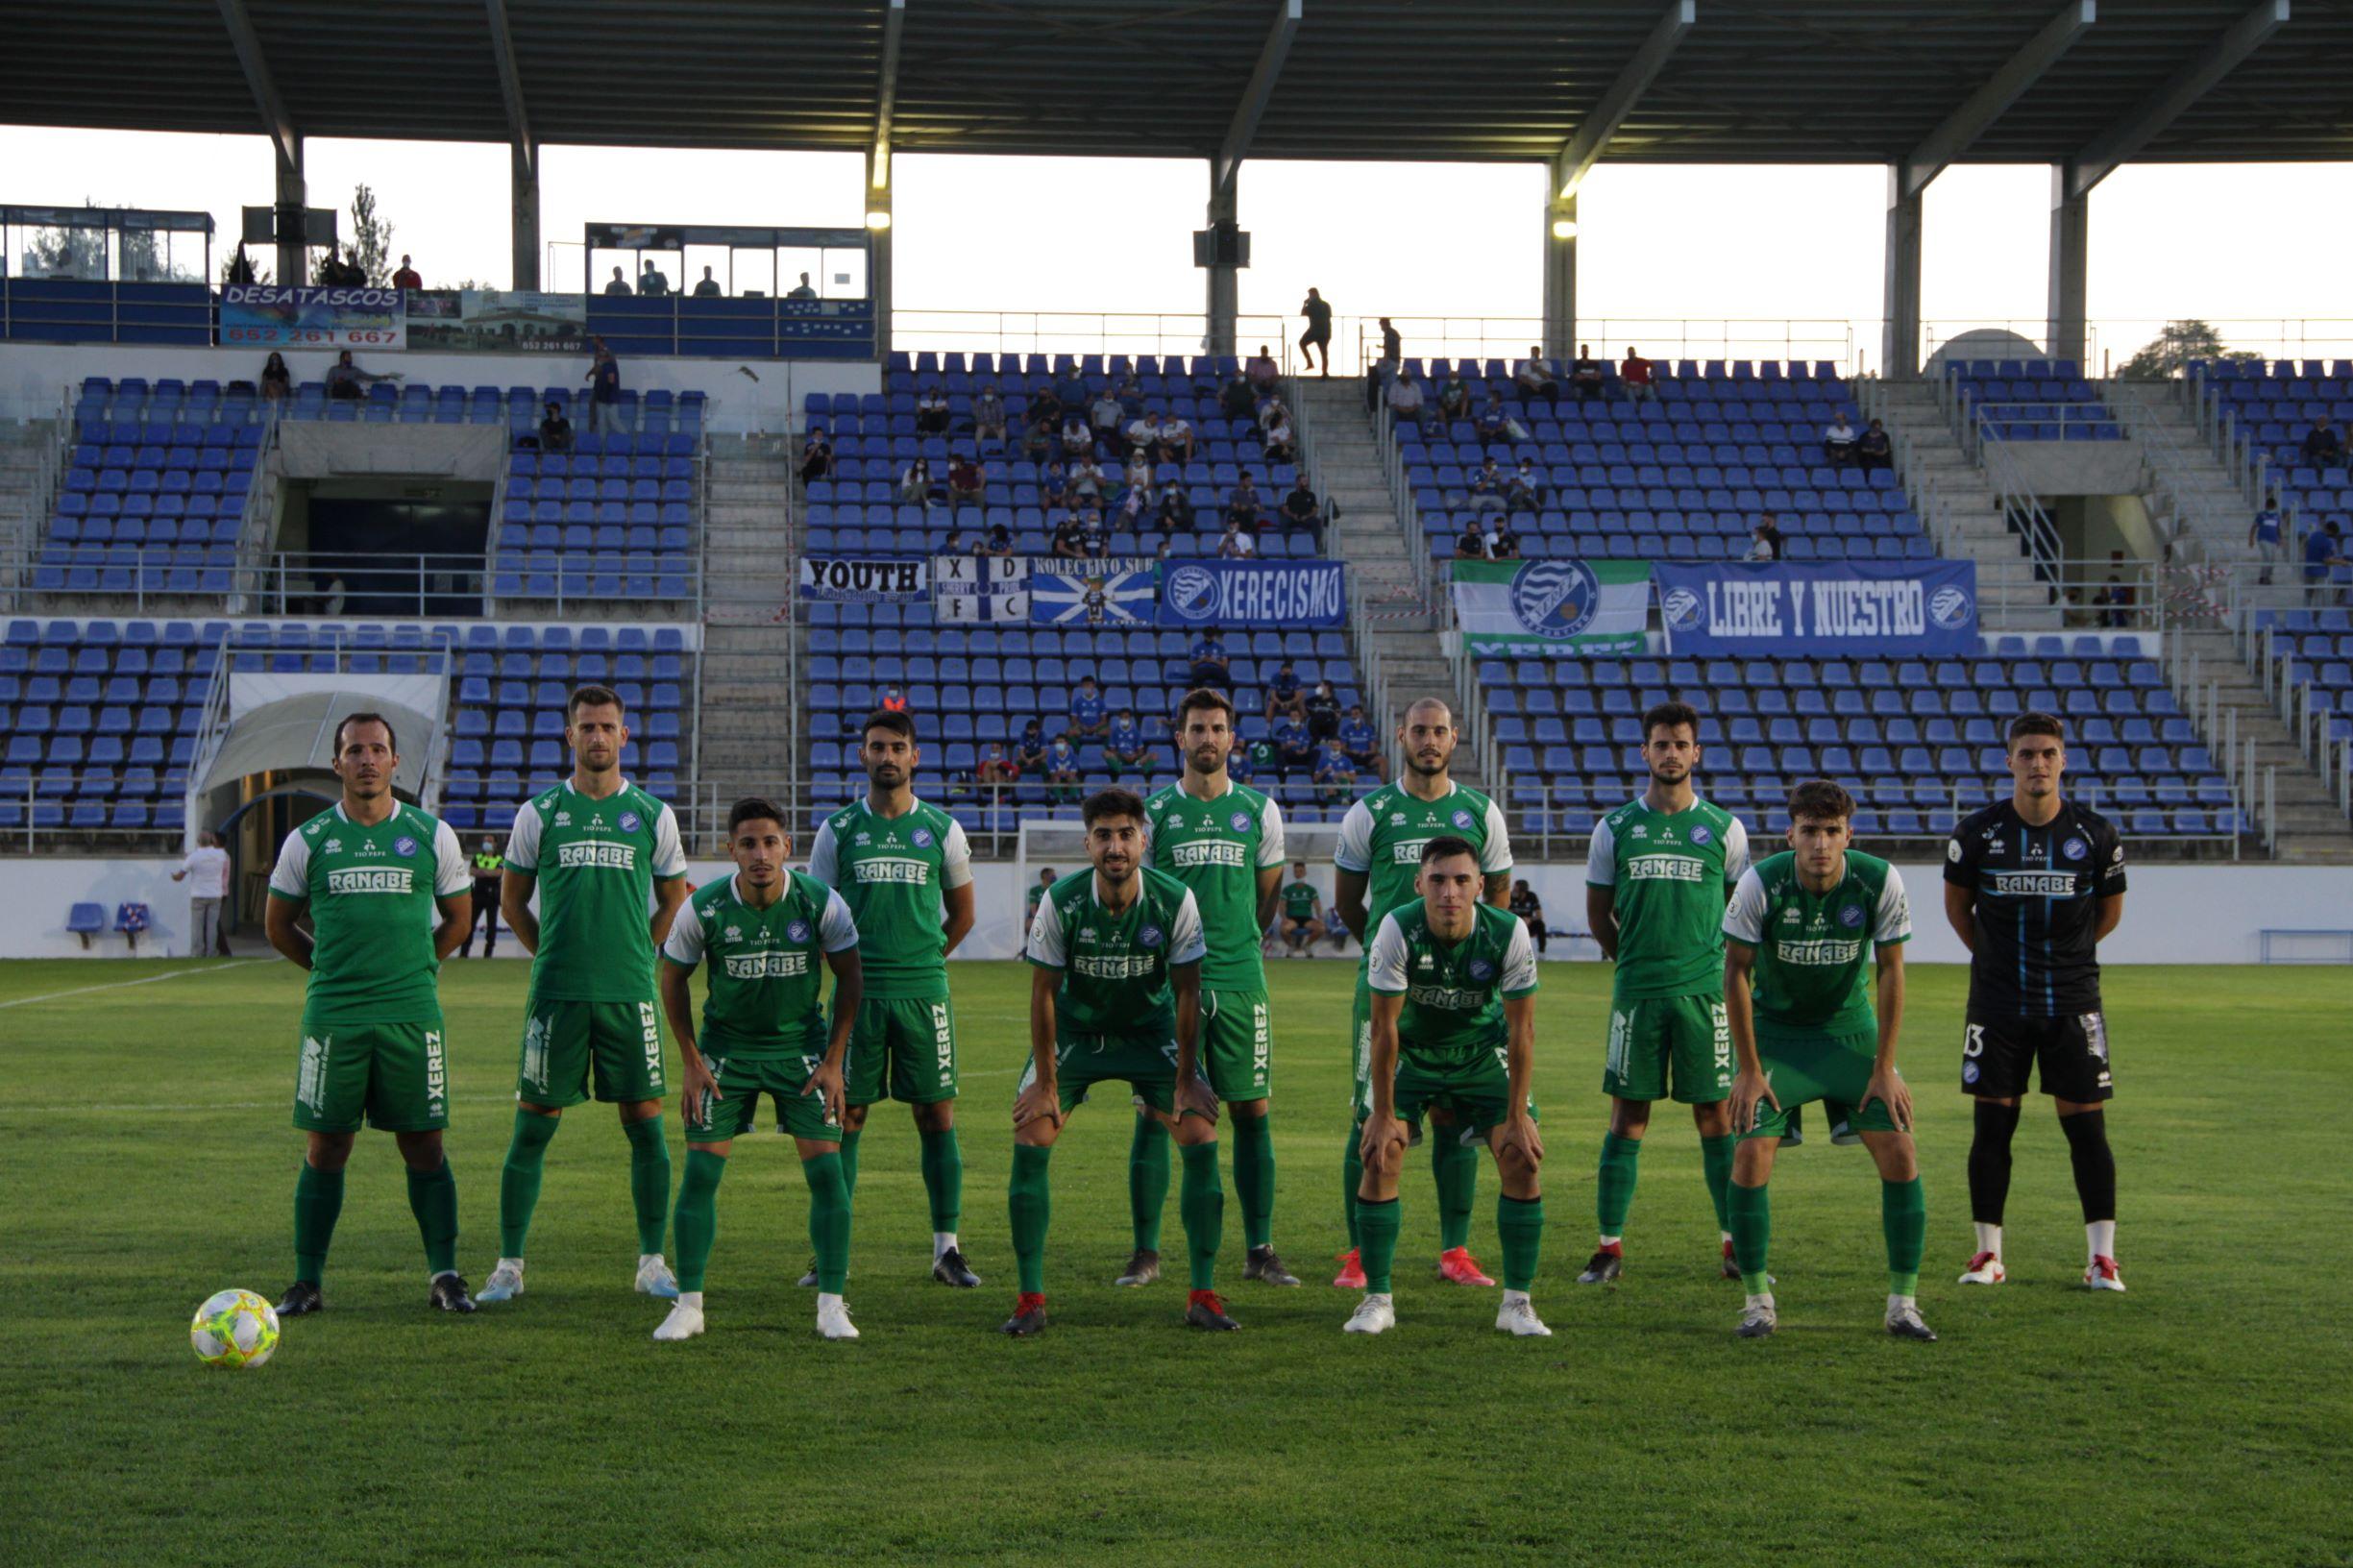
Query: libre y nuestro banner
(856, 579)
(284, 316)
(497, 321)
(1821, 607)
(1509, 607)
(1252, 593)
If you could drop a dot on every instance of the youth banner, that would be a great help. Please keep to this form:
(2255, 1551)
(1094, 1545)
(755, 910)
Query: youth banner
(1771, 608)
(1253, 593)
(285, 316)
(1552, 605)
(497, 321)
(858, 580)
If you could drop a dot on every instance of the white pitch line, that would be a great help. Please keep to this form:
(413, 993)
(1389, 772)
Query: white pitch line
(118, 984)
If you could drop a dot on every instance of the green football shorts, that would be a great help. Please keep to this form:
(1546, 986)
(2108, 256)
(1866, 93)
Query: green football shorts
(1147, 1064)
(572, 1048)
(742, 1078)
(1688, 1035)
(1476, 1093)
(393, 1075)
(906, 1042)
(1801, 1066)
(1236, 1043)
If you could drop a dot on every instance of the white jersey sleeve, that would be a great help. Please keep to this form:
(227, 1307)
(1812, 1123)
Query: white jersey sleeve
(1355, 851)
(1048, 947)
(1270, 835)
(1384, 961)
(669, 853)
(452, 875)
(1602, 860)
(823, 855)
(1892, 922)
(523, 843)
(1519, 978)
(685, 942)
(836, 931)
(955, 858)
(1744, 918)
(292, 874)
(1495, 856)
(1184, 944)
(1735, 850)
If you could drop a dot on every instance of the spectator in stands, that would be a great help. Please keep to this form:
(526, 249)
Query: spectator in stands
(915, 484)
(1406, 401)
(1070, 386)
(1362, 742)
(1531, 910)
(1053, 487)
(331, 602)
(1077, 437)
(651, 282)
(1263, 371)
(2264, 536)
(1086, 480)
(996, 766)
(277, 381)
(1392, 345)
(1496, 424)
(1176, 435)
(1070, 544)
(346, 380)
(802, 290)
(1336, 776)
(1322, 707)
(1000, 541)
(406, 276)
(1029, 748)
(1131, 398)
(1282, 441)
(1535, 377)
(1176, 509)
(1046, 407)
(206, 870)
(1136, 484)
(1145, 437)
(1503, 543)
(707, 288)
(1764, 540)
(554, 429)
(1036, 438)
(1237, 398)
(931, 411)
(966, 479)
(1301, 510)
(335, 272)
(2324, 445)
(1487, 486)
(603, 389)
(1523, 490)
(816, 454)
(1242, 506)
(1294, 747)
(1873, 450)
(988, 415)
(1638, 376)
(1317, 338)
(1212, 665)
(1586, 374)
(1092, 537)
(241, 266)
(1234, 545)
(1471, 544)
(1125, 748)
(1838, 441)
(1103, 414)
(955, 543)
(1090, 720)
(617, 284)
(893, 700)
(2325, 556)
(1285, 696)
(1453, 397)
(1063, 775)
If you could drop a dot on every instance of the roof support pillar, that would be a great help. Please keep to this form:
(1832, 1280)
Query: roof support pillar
(1560, 276)
(2070, 264)
(878, 243)
(523, 177)
(1223, 278)
(293, 255)
(1900, 288)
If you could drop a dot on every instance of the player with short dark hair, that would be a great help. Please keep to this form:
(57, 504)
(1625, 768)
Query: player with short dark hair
(2032, 885)
(386, 889)
(1115, 997)
(1803, 931)
(1454, 1021)
(1656, 878)
(1302, 923)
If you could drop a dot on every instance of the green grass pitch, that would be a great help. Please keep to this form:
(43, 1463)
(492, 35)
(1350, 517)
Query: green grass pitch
(147, 1161)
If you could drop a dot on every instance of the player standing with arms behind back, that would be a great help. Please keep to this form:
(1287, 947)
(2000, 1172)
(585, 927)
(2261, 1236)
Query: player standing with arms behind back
(2032, 885)
(385, 886)
(600, 852)
(1655, 884)
(1225, 843)
(1379, 858)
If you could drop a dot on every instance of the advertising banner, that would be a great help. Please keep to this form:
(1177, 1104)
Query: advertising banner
(284, 317)
(858, 580)
(1506, 609)
(1854, 608)
(1252, 593)
(497, 321)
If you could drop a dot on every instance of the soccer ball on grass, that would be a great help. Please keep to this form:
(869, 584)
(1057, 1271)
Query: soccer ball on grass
(234, 1329)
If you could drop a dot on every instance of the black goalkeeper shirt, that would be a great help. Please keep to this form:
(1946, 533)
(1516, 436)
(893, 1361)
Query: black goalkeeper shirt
(2038, 893)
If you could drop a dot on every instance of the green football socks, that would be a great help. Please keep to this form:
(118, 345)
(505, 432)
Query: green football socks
(527, 1156)
(849, 1159)
(1716, 1166)
(1254, 1178)
(1147, 1180)
(1029, 1203)
(943, 1159)
(649, 1182)
(1613, 1188)
(1520, 1223)
(1377, 1225)
(1904, 1215)
(1352, 1178)
(1201, 1202)
(432, 1197)
(1751, 1213)
(1454, 1165)
(318, 1198)
(697, 1221)
(829, 1218)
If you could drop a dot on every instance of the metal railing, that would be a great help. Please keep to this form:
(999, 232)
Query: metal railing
(1697, 338)
(1105, 332)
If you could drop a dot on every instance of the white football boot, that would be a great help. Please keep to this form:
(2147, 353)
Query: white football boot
(1374, 1314)
(1517, 1316)
(655, 1278)
(833, 1318)
(685, 1319)
(505, 1281)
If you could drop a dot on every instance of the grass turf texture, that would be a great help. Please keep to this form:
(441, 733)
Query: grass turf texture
(148, 1163)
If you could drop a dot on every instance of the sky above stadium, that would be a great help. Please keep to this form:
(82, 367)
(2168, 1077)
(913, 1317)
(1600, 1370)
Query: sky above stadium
(1656, 245)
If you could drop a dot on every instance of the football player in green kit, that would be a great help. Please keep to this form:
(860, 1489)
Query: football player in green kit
(1225, 843)
(1115, 997)
(1378, 859)
(387, 889)
(1807, 934)
(762, 930)
(600, 854)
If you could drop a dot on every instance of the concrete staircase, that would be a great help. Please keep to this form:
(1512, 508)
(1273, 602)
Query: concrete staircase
(28, 457)
(1393, 632)
(2311, 829)
(2192, 496)
(753, 718)
(1934, 465)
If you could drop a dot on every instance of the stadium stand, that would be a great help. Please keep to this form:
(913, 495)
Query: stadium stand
(2314, 649)
(2032, 400)
(155, 490)
(2277, 404)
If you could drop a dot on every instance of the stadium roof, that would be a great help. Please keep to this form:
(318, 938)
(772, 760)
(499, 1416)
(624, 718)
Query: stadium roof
(1747, 81)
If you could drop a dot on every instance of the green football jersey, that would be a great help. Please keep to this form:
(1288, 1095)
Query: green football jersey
(372, 892)
(766, 982)
(1454, 992)
(596, 862)
(1814, 951)
(1114, 966)
(1218, 848)
(1300, 900)
(1669, 871)
(1383, 833)
(893, 872)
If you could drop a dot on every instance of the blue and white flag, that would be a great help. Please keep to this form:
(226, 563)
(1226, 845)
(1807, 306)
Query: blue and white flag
(1253, 593)
(1118, 592)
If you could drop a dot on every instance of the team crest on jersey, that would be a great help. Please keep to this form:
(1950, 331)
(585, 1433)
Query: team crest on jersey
(628, 821)
(1239, 821)
(1953, 850)
(1481, 969)
(797, 931)
(405, 846)
(1463, 819)
(1700, 834)
(1850, 917)
(2074, 848)
(1149, 936)
(922, 839)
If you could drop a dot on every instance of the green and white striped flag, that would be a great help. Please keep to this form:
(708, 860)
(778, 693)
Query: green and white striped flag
(1508, 607)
